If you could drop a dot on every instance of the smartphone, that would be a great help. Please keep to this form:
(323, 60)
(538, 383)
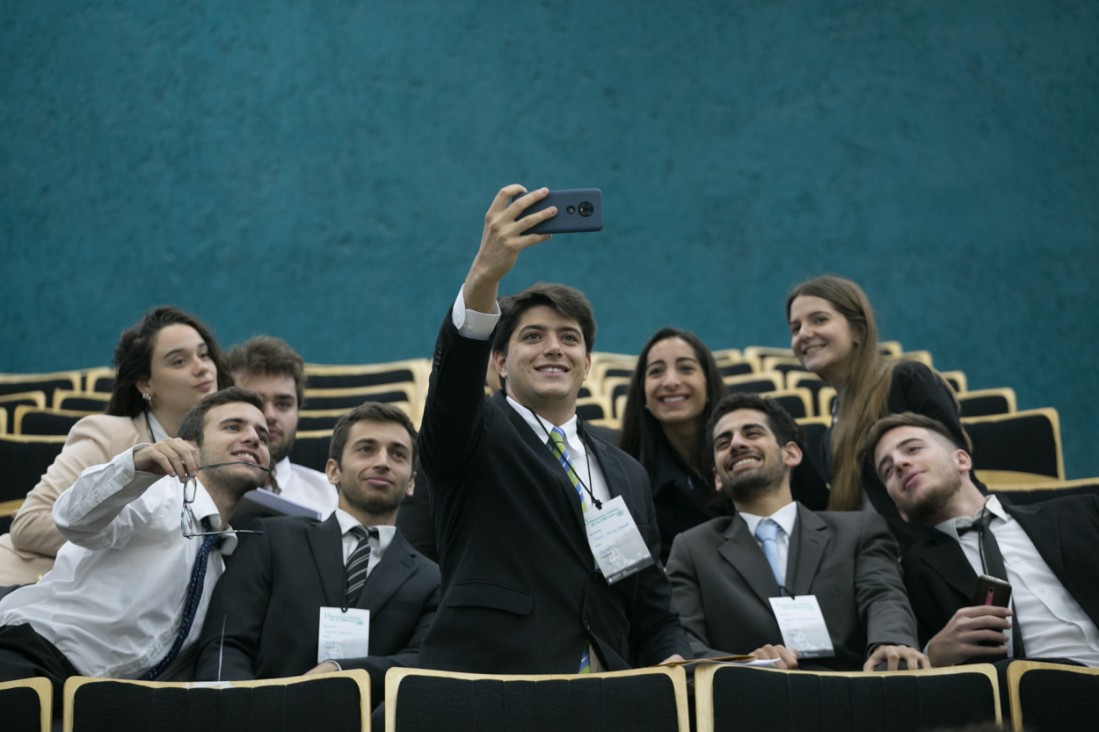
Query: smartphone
(991, 591)
(578, 209)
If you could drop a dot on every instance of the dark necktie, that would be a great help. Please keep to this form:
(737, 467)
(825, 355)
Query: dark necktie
(993, 562)
(357, 565)
(190, 602)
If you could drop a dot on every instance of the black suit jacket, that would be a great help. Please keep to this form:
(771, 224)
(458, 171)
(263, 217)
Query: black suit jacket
(276, 582)
(721, 585)
(521, 593)
(1065, 531)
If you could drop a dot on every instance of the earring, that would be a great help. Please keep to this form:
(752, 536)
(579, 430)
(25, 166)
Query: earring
(147, 397)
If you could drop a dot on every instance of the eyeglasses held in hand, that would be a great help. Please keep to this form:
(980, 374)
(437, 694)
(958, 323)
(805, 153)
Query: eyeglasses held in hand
(188, 525)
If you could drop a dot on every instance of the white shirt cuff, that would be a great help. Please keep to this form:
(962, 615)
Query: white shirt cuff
(472, 324)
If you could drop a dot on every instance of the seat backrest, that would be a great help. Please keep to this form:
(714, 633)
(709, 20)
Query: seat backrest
(743, 697)
(26, 705)
(1027, 442)
(335, 702)
(311, 448)
(25, 459)
(984, 402)
(14, 383)
(1051, 696)
(35, 421)
(422, 700)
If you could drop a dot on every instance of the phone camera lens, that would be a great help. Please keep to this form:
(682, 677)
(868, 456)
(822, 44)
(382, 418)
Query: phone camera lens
(570, 210)
(586, 209)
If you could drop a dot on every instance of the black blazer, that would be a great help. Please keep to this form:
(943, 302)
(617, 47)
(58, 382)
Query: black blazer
(521, 593)
(1065, 531)
(275, 584)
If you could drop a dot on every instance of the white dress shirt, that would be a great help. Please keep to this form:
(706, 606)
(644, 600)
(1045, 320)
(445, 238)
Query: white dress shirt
(113, 602)
(1052, 623)
(306, 486)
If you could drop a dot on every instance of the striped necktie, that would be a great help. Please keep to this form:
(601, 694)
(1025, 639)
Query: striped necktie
(558, 447)
(358, 564)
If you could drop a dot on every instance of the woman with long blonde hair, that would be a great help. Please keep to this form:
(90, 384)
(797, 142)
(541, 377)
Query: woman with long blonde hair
(833, 333)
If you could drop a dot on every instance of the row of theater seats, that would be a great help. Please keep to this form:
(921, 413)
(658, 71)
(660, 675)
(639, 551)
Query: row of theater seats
(1013, 450)
(1041, 696)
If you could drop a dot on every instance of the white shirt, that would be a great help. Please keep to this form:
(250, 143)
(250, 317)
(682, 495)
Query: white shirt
(1052, 623)
(786, 517)
(113, 602)
(350, 541)
(306, 486)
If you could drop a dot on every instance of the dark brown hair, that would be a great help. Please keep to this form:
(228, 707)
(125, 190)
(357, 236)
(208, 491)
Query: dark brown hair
(368, 412)
(134, 354)
(268, 356)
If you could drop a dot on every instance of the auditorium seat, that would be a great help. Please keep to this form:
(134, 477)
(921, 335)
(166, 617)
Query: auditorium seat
(1051, 697)
(35, 421)
(424, 700)
(1022, 447)
(333, 702)
(25, 458)
(985, 402)
(91, 402)
(761, 383)
(15, 383)
(732, 697)
(26, 705)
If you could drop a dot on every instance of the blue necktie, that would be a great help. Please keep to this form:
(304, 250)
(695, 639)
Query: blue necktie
(767, 533)
(190, 603)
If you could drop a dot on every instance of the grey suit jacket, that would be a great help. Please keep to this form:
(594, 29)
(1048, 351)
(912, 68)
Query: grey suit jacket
(721, 583)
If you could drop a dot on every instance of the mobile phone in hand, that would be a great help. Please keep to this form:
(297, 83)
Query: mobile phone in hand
(578, 209)
(991, 591)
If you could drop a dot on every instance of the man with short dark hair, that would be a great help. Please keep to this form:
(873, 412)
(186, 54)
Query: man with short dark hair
(268, 617)
(735, 580)
(146, 535)
(272, 369)
(532, 581)
(1045, 551)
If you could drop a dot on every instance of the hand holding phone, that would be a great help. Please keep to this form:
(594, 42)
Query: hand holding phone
(578, 209)
(991, 591)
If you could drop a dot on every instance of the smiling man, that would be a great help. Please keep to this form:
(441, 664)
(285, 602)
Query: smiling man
(531, 584)
(1046, 553)
(267, 618)
(146, 535)
(743, 583)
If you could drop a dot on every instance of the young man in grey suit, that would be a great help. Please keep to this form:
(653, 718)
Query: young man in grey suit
(265, 619)
(1046, 553)
(517, 483)
(725, 580)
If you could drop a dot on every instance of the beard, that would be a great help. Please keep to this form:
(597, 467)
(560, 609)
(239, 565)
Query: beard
(934, 500)
(282, 451)
(748, 485)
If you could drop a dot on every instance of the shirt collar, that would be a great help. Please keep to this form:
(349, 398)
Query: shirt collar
(542, 426)
(951, 526)
(786, 517)
(386, 532)
(203, 507)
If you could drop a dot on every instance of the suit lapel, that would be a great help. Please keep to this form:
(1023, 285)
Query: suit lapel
(946, 558)
(1040, 526)
(807, 547)
(741, 550)
(540, 448)
(325, 541)
(386, 578)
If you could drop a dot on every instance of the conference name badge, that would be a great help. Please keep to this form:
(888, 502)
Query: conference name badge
(615, 540)
(343, 633)
(802, 625)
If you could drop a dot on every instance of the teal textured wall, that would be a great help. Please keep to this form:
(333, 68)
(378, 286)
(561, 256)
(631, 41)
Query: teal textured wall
(319, 171)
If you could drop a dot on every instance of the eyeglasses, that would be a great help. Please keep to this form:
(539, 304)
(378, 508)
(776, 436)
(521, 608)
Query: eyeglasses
(191, 527)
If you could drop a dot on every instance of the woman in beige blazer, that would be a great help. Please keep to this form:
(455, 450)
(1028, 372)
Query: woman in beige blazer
(164, 365)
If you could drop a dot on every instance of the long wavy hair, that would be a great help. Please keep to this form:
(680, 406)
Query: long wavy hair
(863, 394)
(640, 429)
